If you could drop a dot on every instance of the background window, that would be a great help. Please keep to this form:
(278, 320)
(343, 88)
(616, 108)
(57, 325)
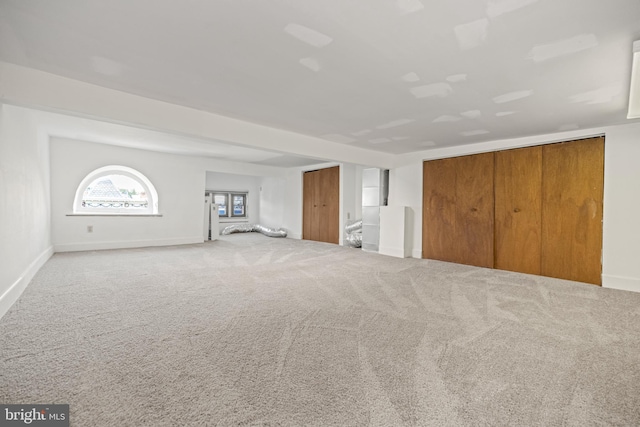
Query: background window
(221, 199)
(230, 204)
(115, 192)
(239, 204)
(116, 189)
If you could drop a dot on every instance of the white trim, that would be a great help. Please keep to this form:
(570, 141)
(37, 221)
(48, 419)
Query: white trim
(416, 253)
(291, 235)
(96, 246)
(622, 283)
(113, 214)
(11, 295)
(394, 252)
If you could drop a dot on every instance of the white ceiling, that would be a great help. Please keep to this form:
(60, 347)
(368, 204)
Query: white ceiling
(84, 129)
(395, 76)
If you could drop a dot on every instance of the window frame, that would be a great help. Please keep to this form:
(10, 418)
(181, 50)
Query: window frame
(232, 205)
(152, 194)
(226, 204)
(229, 198)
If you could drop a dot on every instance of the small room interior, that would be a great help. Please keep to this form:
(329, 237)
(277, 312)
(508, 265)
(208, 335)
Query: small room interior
(491, 153)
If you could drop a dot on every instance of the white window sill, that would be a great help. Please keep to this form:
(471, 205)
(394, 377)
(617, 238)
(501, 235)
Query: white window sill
(113, 214)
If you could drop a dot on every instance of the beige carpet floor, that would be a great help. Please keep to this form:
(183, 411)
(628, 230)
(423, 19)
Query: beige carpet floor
(251, 330)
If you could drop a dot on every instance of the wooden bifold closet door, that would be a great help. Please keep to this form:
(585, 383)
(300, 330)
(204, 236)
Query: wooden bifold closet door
(545, 213)
(321, 205)
(572, 204)
(518, 210)
(458, 210)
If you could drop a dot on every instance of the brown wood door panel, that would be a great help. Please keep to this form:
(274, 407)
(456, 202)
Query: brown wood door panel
(439, 210)
(310, 214)
(474, 209)
(329, 204)
(323, 190)
(321, 205)
(536, 210)
(572, 201)
(458, 210)
(518, 210)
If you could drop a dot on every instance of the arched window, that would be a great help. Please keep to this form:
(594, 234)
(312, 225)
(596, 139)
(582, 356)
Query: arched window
(116, 190)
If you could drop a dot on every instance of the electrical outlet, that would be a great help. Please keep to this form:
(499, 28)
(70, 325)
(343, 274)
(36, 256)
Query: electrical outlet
(89, 228)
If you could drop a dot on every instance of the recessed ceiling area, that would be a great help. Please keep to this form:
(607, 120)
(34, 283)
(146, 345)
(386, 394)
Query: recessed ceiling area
(394, 76)
(90, 130)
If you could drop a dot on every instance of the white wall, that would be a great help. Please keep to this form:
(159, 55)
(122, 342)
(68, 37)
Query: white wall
(292, 215)
(621, 228)
(218, 181)
(621, 222)
(25, 237)
(272, 201)
(179, 184)
(358, 190)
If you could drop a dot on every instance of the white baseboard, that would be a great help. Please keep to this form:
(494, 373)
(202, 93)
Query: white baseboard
(11, 295)
(294, 236)
(622, 283)
(96, 246)
(416, 253)
(395, 252)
